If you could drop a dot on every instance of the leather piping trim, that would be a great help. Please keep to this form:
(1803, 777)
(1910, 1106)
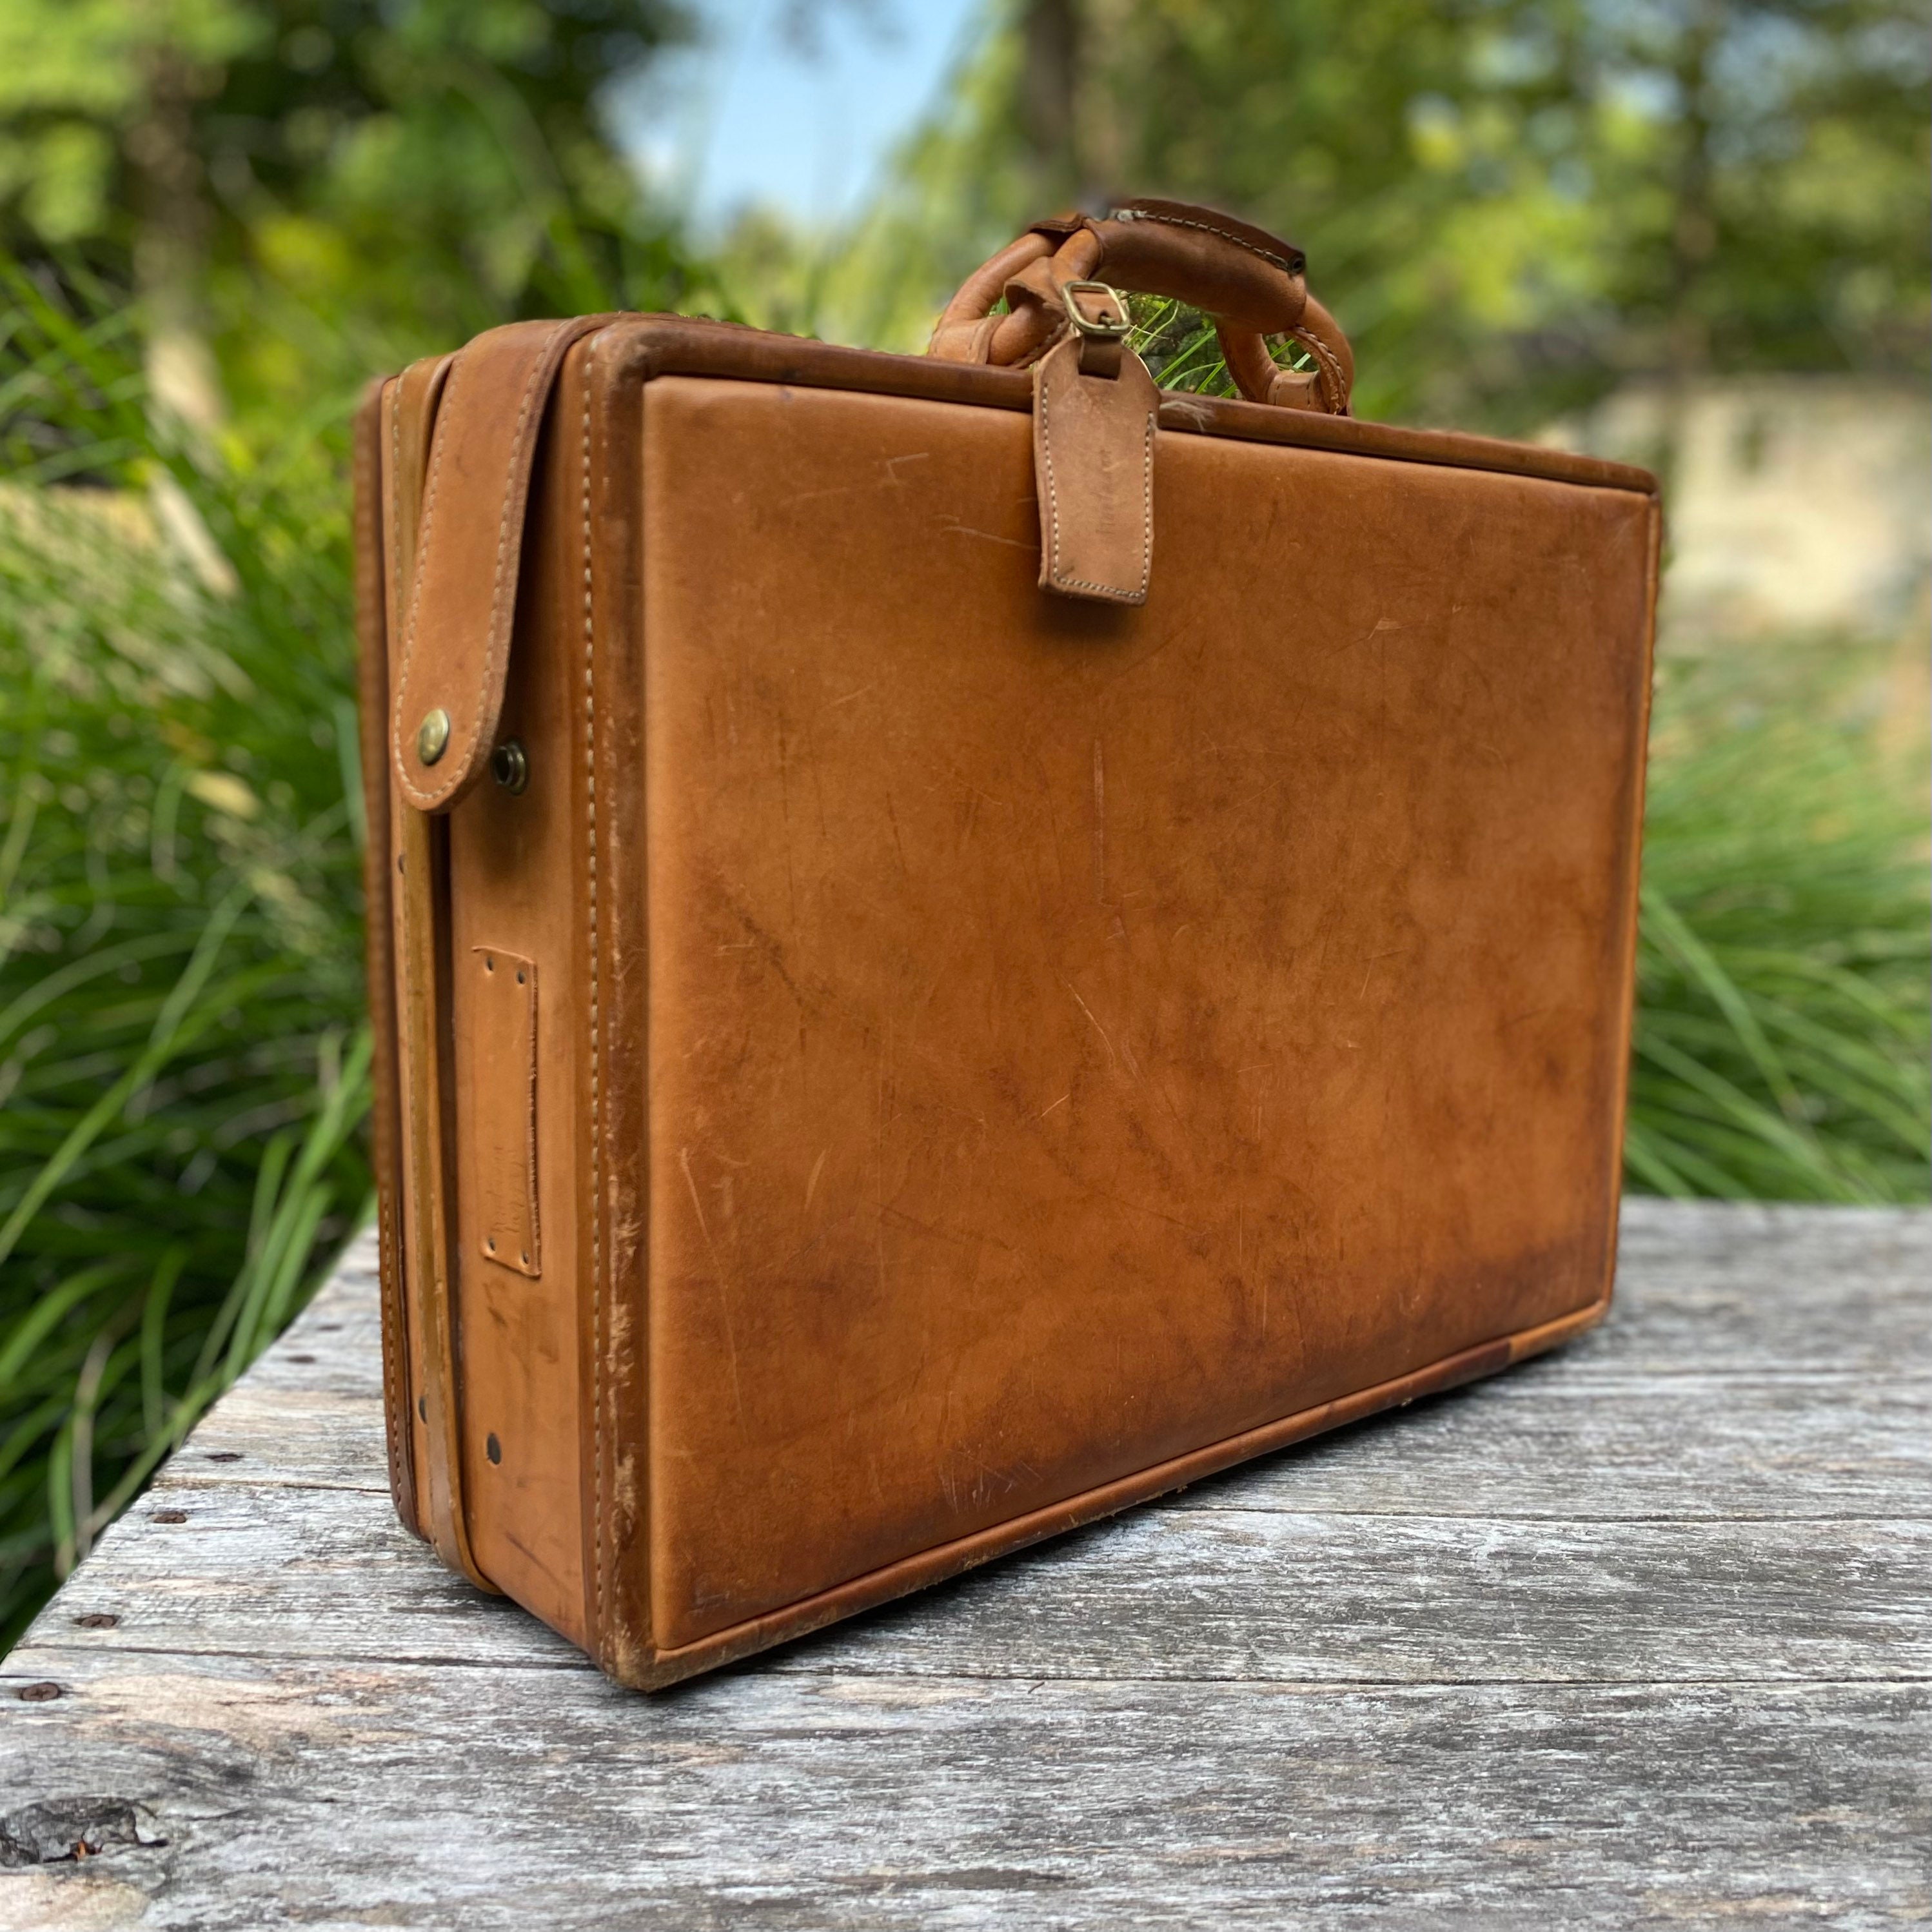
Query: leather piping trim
(372, 676)
(1633, 817)
(950, 1559)
(600, 1621)
(411, 402)
(679, 346)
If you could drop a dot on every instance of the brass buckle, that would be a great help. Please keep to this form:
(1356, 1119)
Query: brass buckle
(1114, 327)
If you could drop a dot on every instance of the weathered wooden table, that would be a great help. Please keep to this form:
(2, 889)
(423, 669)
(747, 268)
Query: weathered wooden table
(1637, 1634)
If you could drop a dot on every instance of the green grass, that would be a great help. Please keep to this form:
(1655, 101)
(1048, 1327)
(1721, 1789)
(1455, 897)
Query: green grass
(184, 1061)
(1786, 959)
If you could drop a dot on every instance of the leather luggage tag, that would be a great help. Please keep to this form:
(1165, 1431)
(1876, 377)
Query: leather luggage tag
(1093, 451)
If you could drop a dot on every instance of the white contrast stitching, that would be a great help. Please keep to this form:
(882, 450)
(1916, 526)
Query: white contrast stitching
(1335, 386)
(596, 1067)
(1207, 228)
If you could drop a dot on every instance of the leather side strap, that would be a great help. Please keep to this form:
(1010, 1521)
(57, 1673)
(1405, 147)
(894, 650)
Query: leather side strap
(408, 417)
(423, 897)
(462, 596)
(418, 848)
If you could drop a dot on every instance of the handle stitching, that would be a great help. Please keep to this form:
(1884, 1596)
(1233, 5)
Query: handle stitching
(1209, 228)
(1331, 369)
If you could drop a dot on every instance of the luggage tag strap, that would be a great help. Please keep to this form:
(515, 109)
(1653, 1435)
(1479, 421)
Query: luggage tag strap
(1095, 410)
(460, 604)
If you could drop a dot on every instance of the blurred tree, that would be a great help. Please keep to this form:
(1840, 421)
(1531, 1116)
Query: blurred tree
(1511, 203)
(408, 171)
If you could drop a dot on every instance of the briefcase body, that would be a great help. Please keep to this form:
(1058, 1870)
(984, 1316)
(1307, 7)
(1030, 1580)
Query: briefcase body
(933, 982)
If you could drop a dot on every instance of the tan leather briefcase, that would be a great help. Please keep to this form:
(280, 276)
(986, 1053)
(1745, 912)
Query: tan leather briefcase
(961, 942)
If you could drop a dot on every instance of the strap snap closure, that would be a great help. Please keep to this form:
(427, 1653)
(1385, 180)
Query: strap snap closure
(433, 735)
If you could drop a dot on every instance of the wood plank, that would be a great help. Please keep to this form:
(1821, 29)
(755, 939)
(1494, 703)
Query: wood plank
(1703, 1288)
(1637, 1633)
(1712, 1287)
(364, 1793)
(1591, 1431)
(1228, 1593)
(1536, 1442)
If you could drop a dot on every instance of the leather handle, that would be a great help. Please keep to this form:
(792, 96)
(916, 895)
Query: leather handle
(1252, 283)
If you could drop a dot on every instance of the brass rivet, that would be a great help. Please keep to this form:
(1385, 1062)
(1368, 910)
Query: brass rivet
(510, 766)
(433, 735)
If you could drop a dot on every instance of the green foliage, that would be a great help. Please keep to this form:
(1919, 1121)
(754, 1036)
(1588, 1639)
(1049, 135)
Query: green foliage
(1782, 1040)
(1508, 203)
(184, 1059)
(340, 183)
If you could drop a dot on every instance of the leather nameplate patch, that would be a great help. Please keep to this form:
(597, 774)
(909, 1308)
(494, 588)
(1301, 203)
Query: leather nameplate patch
(502, 1131)
(1093, 451)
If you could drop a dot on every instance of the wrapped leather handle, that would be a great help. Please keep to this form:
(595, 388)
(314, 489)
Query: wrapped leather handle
(1251, 282)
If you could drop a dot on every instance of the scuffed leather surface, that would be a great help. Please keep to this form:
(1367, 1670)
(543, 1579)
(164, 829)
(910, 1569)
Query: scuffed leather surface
(1082, 1035)
(830, 808)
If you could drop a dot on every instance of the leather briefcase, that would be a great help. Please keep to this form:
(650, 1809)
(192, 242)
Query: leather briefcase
(957, 942)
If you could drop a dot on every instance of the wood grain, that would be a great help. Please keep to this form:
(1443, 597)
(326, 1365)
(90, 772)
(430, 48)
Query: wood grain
(1636, 1635)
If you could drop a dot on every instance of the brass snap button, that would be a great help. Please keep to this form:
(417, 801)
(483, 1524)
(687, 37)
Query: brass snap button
(433, 735)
